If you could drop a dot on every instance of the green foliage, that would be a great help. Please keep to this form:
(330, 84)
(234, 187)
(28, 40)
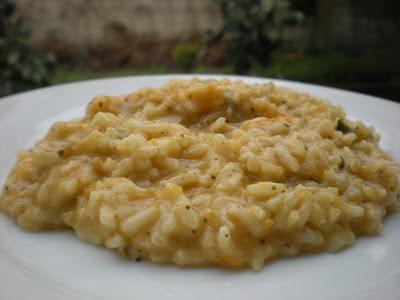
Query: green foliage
(185, 55)
(21, 67)
(308, 7)
(253, 29)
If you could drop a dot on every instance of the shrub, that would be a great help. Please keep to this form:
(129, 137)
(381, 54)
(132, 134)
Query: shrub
(185, 55)
(253, 29)
(21, 67)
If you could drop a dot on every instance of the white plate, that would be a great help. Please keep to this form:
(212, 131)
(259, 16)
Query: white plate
(56, 265)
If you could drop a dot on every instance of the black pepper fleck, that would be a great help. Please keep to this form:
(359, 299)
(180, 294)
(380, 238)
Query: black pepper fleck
(101, 104)
(286, 125)
(273, 187)
(138, 259)
(194, 231)
(262, 241)
(61, 152)
(213, 177)
(341, 164)
(226, 235)
(205, 220)
(187, 207)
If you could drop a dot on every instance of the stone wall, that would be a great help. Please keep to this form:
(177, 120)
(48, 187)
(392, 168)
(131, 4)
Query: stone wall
(83, 22)
(338, 23)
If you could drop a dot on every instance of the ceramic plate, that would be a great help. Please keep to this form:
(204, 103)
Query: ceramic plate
(56, 265)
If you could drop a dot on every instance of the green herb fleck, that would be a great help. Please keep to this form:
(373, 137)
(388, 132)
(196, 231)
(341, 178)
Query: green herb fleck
(342, 127)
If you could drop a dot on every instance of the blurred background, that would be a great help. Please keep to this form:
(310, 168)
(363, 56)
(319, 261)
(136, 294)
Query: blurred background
(350, 44)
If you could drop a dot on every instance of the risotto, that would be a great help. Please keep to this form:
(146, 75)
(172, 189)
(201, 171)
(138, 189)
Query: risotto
(204, 172)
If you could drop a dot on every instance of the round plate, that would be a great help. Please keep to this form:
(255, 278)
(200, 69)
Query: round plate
(57, 265)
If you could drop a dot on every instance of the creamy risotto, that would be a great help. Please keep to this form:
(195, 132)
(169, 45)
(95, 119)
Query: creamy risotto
(207, 172)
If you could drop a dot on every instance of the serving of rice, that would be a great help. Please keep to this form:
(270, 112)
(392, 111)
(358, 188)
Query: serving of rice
(202, 172)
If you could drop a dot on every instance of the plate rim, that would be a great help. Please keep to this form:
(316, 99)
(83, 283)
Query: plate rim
(165, 77)
(278, 81)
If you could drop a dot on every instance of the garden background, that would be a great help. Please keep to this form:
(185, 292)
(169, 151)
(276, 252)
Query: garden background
(351, 44)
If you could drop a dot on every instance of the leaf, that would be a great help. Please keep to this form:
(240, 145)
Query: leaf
(12, 58)
(273, 33)
(267, 5)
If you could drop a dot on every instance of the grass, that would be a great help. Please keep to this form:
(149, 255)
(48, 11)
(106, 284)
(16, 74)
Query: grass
(378, 68)
(64, 75)
(328, 67)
